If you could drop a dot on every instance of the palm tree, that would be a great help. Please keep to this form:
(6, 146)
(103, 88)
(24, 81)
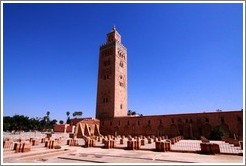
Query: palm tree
(74, 114)
(48, 113)
(68, 118)
(77, 113)
(67, 113)
(47, 118)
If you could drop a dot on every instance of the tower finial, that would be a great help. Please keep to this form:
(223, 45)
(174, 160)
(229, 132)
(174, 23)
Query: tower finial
(114, 28)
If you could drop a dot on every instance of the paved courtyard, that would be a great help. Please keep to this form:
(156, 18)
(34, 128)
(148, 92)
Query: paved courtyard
(98, 154)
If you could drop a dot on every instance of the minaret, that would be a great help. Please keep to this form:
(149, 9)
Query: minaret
(112, 78)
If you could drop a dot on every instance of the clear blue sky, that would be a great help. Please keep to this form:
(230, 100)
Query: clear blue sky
(182, 58)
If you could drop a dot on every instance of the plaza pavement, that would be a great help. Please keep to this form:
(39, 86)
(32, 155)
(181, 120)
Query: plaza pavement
(95, 155)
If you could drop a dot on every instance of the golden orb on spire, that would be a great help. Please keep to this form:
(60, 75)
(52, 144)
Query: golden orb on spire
(114, 28)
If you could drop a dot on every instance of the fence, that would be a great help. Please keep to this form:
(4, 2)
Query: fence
(194, 146)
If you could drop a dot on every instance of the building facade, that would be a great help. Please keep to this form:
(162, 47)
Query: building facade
(190, 125)
(112, 78)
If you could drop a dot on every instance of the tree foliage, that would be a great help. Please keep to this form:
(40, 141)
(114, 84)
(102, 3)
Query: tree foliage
(77, 113)
(24, 123)
(130, 112)
(217, 133)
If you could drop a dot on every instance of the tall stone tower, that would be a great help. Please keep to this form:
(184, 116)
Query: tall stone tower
(112, 78)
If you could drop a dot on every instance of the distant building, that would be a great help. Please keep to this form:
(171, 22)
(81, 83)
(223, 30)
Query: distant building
(64, 128)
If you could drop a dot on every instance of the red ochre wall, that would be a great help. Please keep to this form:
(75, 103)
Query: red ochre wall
(191, 126)
(59, 128)
(63, 128)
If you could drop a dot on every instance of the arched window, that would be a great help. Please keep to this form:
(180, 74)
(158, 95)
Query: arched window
(121, 64)
(105, 100)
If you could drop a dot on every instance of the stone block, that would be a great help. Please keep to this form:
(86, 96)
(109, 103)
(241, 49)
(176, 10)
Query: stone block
(215, 149)
(160, 146)
(89, 143)
(241, 144)
(172, 141)
(26, 147)
(157, 146)
(133, 145)
(167, 146)
(137, 145)
(46, 144)
(130, 145)
(72, 142)
(121, 141)
(142, 142)
(149, 140)
(19, 147)
(34, 142)
(210, 148)
(205, 148)
(7, 144)
(107, 144)
(43, 140)
(112, 143)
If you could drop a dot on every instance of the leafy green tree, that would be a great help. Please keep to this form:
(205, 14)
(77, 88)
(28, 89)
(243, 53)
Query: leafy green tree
(52, 123)
(7, 123)
(77, 113)
(129, 112)
(217, 133)
(21, 122)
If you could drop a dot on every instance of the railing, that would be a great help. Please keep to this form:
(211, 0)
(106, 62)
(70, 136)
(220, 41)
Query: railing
(228, 148)
(194, 146)
(186, 145)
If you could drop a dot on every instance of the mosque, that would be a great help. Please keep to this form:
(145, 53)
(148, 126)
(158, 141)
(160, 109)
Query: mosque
(111, 106)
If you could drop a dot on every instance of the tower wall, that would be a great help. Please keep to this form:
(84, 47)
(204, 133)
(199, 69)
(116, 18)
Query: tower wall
(112, 78)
